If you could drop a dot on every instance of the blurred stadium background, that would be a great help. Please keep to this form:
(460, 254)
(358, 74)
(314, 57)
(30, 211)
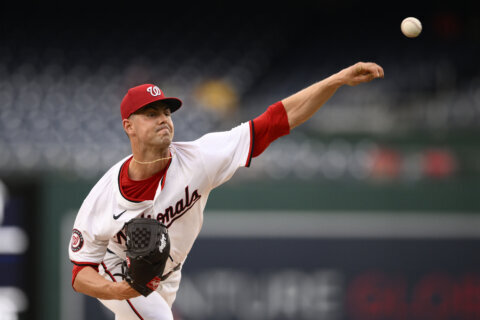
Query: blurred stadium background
(370, 210)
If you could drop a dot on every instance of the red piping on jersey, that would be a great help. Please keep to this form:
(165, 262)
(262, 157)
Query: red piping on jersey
(115, 280)
(108, 271)
(252, 139)
(162, 182)
(84, 264)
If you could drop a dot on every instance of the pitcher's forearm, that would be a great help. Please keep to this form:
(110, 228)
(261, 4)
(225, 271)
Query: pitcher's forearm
(89, 282)
(302, 105)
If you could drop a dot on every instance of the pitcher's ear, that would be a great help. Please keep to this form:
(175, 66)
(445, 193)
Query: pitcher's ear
(127, 126)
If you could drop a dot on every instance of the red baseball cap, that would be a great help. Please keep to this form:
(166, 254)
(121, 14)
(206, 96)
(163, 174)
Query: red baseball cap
(138, 97)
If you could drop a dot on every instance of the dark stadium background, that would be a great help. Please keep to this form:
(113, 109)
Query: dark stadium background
(370, 210)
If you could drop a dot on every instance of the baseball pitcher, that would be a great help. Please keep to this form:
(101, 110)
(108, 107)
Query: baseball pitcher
(137, 225)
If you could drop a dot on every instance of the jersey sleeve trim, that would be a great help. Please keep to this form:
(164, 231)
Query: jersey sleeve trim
(84, 264)
(252, 143)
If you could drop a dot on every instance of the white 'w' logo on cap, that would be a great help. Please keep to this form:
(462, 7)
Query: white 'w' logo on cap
(154, 91)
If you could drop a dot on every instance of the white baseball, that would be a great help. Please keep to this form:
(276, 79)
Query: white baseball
(411, 27)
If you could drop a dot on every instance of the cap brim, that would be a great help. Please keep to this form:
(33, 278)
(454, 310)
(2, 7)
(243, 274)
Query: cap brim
(173, 103)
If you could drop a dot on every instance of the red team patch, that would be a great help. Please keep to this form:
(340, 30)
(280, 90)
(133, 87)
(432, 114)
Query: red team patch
(154, 283)
(77, 240)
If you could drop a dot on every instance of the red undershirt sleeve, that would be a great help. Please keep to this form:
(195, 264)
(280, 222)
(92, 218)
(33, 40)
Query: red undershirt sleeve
(76, 269)
(269, 126)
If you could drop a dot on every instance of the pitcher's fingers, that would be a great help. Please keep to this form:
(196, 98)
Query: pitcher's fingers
(365, 77)
(381, 72)
(372, 67)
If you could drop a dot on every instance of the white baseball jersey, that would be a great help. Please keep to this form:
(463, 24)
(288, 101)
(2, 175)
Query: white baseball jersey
(195, 169)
